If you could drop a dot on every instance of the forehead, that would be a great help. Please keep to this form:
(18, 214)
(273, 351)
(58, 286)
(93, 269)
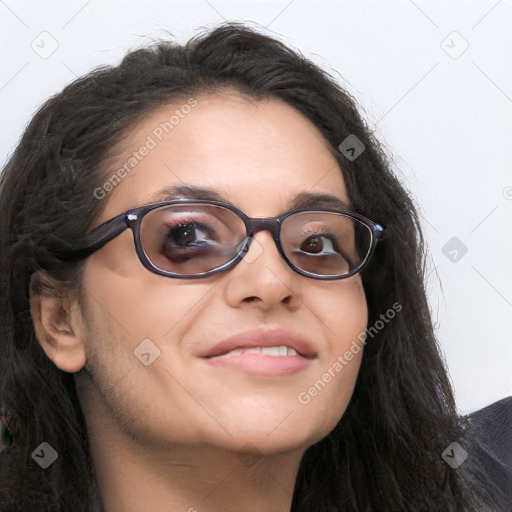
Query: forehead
(259, 155)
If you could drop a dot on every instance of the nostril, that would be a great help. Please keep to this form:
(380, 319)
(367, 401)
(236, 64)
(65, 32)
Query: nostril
(250, 299)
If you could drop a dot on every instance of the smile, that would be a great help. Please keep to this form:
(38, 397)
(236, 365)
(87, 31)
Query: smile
(276, 351)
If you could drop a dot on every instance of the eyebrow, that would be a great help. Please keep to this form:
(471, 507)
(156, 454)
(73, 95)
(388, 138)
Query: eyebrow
(302, 200)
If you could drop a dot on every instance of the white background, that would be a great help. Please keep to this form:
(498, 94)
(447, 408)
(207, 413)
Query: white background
(447, 122)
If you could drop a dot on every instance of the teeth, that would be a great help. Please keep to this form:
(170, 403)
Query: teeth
(281, 350)
(270, 351)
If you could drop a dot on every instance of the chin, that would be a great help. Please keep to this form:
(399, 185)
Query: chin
(270, 437)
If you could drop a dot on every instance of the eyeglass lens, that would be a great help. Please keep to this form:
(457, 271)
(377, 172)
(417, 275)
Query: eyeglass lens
(194, 239)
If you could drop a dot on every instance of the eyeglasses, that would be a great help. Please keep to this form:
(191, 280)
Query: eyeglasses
(190, 239)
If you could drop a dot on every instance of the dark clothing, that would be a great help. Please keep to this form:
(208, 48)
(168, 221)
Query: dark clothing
(490, 438)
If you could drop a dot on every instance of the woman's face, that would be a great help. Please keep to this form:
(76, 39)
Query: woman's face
(259, 157)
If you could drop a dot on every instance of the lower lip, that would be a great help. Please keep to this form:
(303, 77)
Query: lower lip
(261, 365)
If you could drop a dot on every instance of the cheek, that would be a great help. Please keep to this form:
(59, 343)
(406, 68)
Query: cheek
(344, 316)
(139, 385)
(133, 319)
(136, 302)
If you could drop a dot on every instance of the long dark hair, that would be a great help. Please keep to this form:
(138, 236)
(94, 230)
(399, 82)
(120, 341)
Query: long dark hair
(385, 453)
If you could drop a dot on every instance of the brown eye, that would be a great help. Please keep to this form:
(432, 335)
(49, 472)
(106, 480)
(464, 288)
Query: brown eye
(312, 245)
(186, 234)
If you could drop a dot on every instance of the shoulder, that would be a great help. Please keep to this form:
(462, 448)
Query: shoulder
(489, 434)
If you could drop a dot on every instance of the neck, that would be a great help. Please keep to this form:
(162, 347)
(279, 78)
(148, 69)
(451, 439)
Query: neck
(192, 483)
(135, 477)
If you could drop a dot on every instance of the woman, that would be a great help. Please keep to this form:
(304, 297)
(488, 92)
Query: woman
(167, 349)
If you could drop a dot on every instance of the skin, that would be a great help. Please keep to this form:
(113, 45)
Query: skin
(178, 435)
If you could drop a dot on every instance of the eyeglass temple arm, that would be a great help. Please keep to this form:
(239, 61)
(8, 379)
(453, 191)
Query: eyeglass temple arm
(98, 237)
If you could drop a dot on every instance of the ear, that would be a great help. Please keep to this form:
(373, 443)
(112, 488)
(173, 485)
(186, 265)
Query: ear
(58, 326)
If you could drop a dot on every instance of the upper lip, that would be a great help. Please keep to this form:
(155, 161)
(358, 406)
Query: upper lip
(263, 338)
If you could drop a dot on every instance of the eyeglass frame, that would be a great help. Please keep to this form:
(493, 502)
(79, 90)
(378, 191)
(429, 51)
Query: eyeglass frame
(132, 219)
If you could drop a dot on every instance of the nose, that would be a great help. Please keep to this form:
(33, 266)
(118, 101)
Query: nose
(262, 277)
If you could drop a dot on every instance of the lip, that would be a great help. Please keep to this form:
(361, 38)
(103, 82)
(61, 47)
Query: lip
(261, 364)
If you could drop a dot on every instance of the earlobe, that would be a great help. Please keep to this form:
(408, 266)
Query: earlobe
(58, 330)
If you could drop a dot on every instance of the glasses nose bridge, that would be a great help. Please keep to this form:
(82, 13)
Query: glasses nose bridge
(271, 224)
